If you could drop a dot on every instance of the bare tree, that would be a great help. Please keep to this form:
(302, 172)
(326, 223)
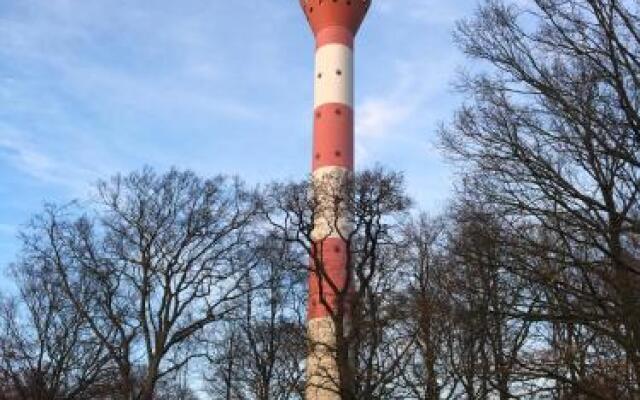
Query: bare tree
(550, 138)
(370, 347)
(157, 260)
(427, 303)
(487, 297)
(262, 350)
(47, 350)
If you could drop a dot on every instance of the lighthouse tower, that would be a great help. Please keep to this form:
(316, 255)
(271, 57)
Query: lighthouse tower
(334, 24)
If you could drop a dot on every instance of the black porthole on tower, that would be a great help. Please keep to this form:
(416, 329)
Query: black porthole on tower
(336, 249)
(338, 111)
(338, 72)
(318, 114)
(338, 153)
(317, 156)
(319, 75)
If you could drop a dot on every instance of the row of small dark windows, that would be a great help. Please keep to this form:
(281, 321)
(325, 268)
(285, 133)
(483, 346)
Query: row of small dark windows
(365, 2)
(337, 111)
(337, 153)
(338, 72)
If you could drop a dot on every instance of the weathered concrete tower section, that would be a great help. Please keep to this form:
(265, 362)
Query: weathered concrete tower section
(334, 24)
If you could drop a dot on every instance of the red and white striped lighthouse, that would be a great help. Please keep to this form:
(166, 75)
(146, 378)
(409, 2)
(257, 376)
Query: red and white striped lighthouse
(334, 24)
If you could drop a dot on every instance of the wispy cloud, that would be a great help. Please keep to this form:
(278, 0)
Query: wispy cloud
(413, 89)
(24, 157)
(177, 67)
(88, 88)
(17, 151)
(418, 93)
(380, 114)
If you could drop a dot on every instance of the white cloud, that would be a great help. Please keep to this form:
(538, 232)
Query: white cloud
(382, 115)
(24, 157)
(23, 154)
(378, 116)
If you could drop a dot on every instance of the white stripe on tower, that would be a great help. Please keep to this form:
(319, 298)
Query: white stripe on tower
(334, 75)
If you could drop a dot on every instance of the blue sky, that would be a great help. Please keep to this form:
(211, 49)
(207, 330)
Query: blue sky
(89, 88)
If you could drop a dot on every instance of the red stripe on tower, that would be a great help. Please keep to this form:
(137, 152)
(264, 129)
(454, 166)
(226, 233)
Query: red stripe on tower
(333, 136)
